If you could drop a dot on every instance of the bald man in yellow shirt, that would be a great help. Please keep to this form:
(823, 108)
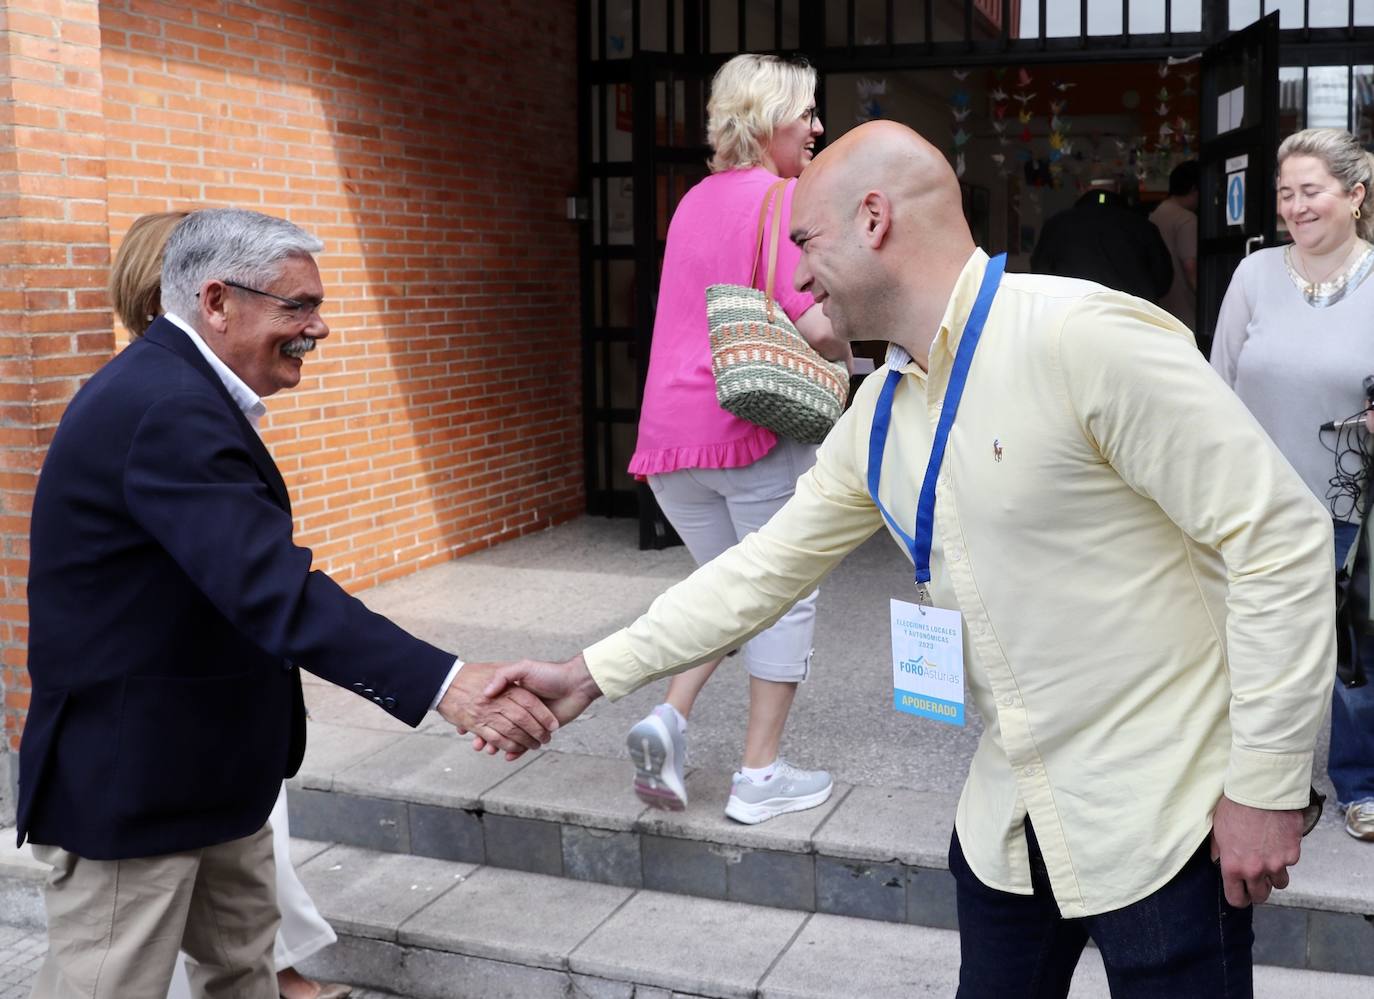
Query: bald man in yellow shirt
(1111, 557)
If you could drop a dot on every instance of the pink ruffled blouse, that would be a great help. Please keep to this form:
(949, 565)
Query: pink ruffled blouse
(710, 241)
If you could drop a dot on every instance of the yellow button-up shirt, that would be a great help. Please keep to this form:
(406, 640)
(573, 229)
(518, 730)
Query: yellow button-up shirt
(1145, 583)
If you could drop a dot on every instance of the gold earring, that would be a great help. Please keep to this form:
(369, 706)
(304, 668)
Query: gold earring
(1356, 212)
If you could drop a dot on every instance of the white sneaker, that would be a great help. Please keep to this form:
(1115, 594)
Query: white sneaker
(788, 790)
(658, 750)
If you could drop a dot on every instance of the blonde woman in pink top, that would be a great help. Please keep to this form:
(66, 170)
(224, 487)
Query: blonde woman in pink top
(715, 476)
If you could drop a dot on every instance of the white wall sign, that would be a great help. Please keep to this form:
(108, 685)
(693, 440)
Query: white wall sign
(1230, 110)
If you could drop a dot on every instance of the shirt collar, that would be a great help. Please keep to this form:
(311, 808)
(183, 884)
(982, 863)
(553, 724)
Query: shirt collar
(956, 315)
(248, 400)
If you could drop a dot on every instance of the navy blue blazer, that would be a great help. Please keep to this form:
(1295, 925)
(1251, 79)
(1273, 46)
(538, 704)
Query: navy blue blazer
(168, 610)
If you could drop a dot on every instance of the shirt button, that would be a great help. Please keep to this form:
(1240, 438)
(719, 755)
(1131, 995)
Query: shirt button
(956, 554)
(1030, 771)
(1008, 702)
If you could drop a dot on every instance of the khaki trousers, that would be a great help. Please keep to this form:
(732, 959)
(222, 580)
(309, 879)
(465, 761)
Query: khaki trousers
(114, 926)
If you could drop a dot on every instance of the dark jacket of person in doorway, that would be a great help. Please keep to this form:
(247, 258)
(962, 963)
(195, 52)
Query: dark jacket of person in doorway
(1101, 238)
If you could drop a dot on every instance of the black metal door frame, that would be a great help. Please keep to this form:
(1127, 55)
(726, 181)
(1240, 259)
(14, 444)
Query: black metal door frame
(687, 57)
(1239, 155)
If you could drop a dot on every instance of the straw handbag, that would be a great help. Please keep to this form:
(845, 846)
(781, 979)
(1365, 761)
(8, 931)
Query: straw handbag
(765, 370)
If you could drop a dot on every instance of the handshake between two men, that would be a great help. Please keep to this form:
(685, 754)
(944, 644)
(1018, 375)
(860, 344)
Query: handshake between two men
(515, 707)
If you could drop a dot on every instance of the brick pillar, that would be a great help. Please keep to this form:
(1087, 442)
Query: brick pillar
(55, 326)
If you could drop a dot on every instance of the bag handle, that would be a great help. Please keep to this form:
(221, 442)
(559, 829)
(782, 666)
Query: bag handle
(773, 240)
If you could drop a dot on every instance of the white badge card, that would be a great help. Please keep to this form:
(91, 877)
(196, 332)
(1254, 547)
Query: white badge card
(928, 662)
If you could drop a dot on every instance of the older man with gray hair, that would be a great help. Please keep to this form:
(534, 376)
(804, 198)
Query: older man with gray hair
(170, 613)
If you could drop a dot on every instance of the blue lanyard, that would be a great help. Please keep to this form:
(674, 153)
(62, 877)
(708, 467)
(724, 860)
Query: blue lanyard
(919, 546)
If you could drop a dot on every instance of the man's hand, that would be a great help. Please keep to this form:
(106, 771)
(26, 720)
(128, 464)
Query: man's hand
(515, 721)
(1255, 846)
(567, 688)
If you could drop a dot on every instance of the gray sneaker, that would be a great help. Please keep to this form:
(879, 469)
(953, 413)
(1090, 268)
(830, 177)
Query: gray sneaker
(788, 790)
(658, 750)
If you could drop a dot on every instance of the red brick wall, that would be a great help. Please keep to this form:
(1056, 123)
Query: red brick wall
(54, 255)
(430, 145)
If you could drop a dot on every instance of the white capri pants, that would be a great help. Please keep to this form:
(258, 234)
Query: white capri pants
(712, 509)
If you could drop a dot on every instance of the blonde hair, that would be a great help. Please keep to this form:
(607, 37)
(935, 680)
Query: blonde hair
(1345, 160)
(750, 96)
(136, 278)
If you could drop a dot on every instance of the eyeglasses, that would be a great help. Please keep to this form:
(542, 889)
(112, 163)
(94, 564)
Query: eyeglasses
(301, 310)
(810, 114)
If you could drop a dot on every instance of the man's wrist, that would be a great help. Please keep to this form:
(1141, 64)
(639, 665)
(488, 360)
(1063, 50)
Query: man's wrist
(586, 683)
(458, 664)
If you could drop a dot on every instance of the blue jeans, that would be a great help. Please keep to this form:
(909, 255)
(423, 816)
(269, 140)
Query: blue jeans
(1351, 762)
(1184, 941)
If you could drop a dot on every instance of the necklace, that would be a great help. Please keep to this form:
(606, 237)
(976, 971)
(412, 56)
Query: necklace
(1306, 274)
(1338, 282)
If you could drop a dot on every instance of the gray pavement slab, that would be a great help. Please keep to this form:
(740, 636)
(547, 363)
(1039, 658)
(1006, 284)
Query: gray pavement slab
(372, 894)
(305, 850)
(835, 957)
(528, 919)
(693, 945)
(568, 787)
(890, 823)
(1335, 873)
(337, 746)
(430, 769)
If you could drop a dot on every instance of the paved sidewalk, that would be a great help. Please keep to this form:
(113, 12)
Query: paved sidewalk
(22, 950)
(549, 594)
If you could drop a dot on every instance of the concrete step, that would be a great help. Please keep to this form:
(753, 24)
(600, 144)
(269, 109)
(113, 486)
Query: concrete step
(423, 928)
(874, 853)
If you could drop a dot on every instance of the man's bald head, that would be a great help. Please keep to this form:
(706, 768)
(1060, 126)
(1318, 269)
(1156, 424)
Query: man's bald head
(914, 177)
(880, 221)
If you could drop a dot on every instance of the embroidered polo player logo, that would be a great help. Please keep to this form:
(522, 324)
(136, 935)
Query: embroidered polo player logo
(996, 449)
